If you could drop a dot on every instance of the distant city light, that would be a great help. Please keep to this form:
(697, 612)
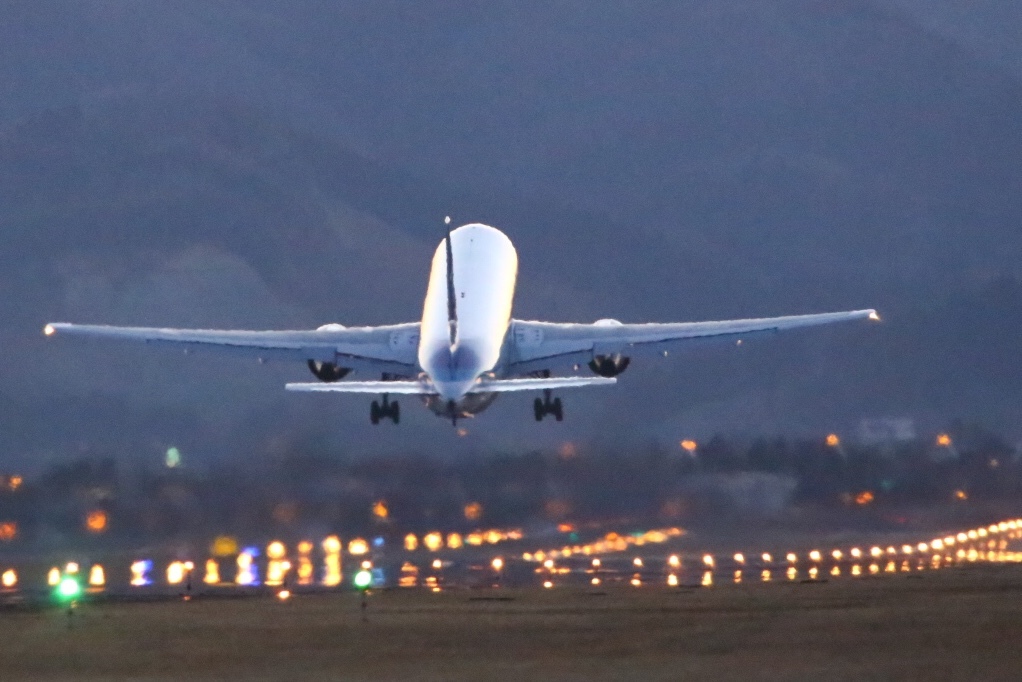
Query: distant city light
(689, 446)
(276, 550)
(224, 546)
(473, 511)
(14, 482)
(332, 544)
(53, 577)
(96, 521)
(172, 459)
(9, 578)
(833, 440)
(411, 542)
(357, 547)
(454, 541)
(944, 440)
(380, 510)
(433, 541)
(497, 564)
(8, 530)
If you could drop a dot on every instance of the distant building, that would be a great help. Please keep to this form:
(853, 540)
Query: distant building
(886, 430)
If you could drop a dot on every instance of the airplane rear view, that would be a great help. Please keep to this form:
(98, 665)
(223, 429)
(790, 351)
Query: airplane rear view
(467, 348)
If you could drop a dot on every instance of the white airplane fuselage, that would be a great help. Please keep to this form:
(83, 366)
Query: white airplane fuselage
(484, 275)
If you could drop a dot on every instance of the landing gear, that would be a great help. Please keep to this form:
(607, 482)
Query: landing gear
(541, 407)
(387, 410)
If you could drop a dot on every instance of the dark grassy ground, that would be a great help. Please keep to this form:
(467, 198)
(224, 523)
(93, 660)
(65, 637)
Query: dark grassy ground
(948, 625)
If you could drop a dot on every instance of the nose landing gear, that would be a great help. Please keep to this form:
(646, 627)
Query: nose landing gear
(541, 407)
(386, 410)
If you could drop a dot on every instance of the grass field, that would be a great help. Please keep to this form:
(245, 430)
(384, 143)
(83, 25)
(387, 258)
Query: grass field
(951, 624)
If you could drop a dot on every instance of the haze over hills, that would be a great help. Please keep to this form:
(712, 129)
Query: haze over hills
(254, 164)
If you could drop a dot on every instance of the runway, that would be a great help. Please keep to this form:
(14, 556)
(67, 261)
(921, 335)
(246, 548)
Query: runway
(932, 625)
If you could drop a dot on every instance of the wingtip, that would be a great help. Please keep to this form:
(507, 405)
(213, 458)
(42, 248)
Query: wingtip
(49, 330)
(873, 315)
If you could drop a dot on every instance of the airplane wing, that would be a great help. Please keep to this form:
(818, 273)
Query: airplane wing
(357, 347)
(538, 343)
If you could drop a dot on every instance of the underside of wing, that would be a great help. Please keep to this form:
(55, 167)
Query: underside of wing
(393, 345)
(536, 342)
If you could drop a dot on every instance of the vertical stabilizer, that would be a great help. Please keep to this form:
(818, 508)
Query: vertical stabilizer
(452, 303)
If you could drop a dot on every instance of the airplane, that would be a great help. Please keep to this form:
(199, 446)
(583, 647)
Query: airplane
(466, 349)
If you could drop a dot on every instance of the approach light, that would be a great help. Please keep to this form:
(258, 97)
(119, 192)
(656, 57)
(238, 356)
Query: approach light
(363, 579)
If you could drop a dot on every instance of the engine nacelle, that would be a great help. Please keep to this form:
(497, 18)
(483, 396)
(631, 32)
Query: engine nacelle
(328, 371)
(609, 365)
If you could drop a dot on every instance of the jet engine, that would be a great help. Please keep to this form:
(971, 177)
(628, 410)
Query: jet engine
(328, 371)
(609, 365)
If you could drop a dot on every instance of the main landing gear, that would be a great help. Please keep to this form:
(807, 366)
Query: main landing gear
(388, 410)
(541, 407)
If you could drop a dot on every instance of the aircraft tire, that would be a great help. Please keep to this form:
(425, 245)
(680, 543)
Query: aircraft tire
(538, 410)
(395, 412)
(558, 410)
(374, 413)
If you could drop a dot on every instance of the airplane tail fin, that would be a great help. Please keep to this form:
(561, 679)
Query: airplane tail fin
(452, 302)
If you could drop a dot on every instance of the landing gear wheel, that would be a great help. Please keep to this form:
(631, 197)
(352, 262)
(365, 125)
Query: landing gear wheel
(543, 407)
(395, 413)
(374, 413)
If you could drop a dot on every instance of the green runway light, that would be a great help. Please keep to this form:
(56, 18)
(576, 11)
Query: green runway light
(68, 588)
(363, 579)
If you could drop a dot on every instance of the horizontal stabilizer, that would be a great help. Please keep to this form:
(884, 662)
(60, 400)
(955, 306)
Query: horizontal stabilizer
(422, 388)
(504, 385)
(399, 387)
